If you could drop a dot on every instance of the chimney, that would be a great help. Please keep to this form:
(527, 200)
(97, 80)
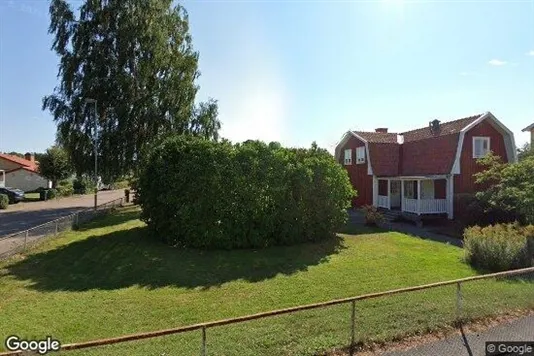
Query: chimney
(382, 130)
(29, 157)
(435, 127)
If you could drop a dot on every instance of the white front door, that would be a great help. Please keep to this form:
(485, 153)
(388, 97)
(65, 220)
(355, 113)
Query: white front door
(395, 194)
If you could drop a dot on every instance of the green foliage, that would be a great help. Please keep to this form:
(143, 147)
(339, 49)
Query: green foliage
(203, 194)
(525, 152)
(65, 188)
(83, 185)
(122, 184)
(472, 211)
(498, 247)
(511, 186)
(136, 59)
(372, 216)
(4, 201)
(52, 193)
(55, 165)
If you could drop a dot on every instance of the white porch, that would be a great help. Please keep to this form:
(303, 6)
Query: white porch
(419, 195)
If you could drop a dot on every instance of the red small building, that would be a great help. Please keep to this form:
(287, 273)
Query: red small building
(420, 171)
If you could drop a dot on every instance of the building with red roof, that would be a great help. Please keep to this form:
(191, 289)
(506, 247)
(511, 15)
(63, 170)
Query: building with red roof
(421, 171)
(21, 173)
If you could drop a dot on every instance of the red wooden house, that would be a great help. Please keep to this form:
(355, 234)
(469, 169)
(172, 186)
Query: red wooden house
(420, 171)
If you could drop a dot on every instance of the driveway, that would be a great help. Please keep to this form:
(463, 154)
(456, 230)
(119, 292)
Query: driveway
(25, 215)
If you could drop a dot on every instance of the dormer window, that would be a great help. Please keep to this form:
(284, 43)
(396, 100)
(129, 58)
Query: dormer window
(360, 155)
(348, 157)
(481, 146)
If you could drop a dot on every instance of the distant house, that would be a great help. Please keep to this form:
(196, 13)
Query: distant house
(21, 173)
(531, 129)
(420, 171)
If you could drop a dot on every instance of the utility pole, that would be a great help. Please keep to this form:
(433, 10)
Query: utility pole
(95, 138)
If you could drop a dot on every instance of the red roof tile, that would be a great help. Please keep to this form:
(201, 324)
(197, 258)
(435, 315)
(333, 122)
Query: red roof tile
(21, 161)
(377, 137)
(446, 128)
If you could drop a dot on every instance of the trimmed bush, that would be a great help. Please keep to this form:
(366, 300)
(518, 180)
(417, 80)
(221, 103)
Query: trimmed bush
(52, 194)
(65, 188)
(83, 185)
(498, 247)
(4, 201)
(203, 194)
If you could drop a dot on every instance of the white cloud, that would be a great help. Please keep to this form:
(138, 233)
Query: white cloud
(530, 53)
(497, 62)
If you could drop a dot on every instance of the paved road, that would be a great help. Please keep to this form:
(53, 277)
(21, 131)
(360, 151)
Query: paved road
(22, 216)
(473, 344)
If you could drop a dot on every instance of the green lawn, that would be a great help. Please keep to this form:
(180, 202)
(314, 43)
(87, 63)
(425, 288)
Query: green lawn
(108, 280)
(31, 196)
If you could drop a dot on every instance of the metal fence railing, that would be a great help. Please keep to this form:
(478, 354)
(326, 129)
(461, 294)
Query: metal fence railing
(345, 325)
(23, 240)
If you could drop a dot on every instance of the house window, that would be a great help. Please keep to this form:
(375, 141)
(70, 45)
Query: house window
(348, 156)
(481, 146)
(360, 155)
(410, 189)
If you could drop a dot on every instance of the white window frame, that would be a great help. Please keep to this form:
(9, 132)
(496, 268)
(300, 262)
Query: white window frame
(360, 155)
(483, 139)
(348, 157)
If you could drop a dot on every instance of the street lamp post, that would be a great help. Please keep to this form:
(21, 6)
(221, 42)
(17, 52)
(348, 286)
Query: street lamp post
(95, 137)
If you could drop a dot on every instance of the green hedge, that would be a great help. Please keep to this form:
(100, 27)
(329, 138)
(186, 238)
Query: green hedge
(202, 194)
(4, 201)
(83, 185)
(52, 193)
(65, 188)
(498, 247)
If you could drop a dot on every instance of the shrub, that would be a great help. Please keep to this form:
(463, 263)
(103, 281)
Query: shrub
(65, 188)
(122, 184)
(372, 215)
(471, 211)
(498, 247)
(203, 194)
(83, 185)
(52, 193)
(4, 201)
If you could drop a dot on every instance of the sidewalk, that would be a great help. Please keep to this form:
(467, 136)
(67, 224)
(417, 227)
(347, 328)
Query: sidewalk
(473, 344)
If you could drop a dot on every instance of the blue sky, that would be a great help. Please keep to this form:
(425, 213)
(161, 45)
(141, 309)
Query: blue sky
(299, 71)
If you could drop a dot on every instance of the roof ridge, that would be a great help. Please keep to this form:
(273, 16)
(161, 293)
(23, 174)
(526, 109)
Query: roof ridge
(447, 122)
(374, 132)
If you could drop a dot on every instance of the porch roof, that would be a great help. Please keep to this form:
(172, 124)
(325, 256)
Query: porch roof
(427, 177)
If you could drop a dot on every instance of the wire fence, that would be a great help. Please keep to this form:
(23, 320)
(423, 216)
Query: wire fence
(24, 240)
(344, 326)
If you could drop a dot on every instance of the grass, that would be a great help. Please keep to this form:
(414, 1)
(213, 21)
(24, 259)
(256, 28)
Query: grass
(108, 279)
(31, 196)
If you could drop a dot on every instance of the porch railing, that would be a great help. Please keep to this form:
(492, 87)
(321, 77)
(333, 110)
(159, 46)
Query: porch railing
(433, 206)
(425, 206)
(383, 201)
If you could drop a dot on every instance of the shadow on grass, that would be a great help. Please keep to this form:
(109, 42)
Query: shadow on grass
(352, 228)
(116, 218)
(128, 258)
